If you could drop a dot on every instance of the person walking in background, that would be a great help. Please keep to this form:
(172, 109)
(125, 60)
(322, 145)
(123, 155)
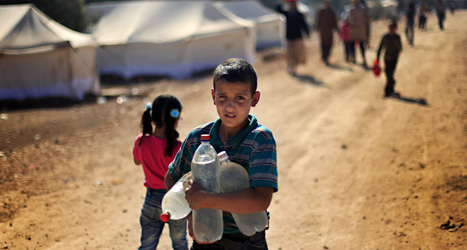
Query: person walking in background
(409, 28)
(326, 23)
(349, 44)
(154, 150)
(422, 15)
(441, 13)
(452, 6)
(359, 20)
(391, 43)
(363, 2)
(295, 27)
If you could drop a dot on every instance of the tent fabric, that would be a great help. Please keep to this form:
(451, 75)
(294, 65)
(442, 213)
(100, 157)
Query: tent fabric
(25, 26)
(270, 25)
(167, 38)
(40, 58)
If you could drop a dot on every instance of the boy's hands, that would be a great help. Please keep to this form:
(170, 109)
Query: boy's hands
(194, 195)
(191, 232)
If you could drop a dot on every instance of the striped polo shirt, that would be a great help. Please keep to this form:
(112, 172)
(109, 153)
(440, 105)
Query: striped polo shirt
(254, 148)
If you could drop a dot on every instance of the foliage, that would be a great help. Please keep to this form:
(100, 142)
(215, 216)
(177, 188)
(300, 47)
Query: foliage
(69, 13)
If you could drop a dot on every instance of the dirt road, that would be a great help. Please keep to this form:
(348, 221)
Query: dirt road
(356, 170)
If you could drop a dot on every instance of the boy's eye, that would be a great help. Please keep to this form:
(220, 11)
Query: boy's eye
(240, 97)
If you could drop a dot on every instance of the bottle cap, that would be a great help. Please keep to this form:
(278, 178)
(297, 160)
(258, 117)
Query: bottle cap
(205, 137)
(222, 156)
(165, 217)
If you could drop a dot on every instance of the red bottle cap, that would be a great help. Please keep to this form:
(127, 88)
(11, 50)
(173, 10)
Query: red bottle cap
(165, 217)
(205, 137)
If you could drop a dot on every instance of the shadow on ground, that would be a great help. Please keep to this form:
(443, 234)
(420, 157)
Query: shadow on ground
(420, 101)
(311, 80)
(338, 67)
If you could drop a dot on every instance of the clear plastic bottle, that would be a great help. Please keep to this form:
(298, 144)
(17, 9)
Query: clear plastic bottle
(174, 204)
(208, 225)
(233, 177)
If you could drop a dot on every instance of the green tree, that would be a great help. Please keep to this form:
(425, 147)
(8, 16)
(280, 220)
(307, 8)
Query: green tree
(69, 13)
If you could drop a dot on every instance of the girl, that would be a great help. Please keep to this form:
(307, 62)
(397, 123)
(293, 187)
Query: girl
(155, 150)
(349, 44)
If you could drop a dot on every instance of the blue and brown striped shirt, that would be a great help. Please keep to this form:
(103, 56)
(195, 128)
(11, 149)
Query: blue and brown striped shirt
(254, 148)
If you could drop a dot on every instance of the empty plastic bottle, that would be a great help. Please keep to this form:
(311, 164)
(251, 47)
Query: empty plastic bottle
(208, 225)
(233, 177)
(174, 204)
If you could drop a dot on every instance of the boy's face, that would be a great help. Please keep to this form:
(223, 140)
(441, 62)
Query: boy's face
(233, 101)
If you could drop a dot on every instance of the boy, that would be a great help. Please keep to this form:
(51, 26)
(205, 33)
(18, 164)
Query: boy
(246, 142)
(391, 42)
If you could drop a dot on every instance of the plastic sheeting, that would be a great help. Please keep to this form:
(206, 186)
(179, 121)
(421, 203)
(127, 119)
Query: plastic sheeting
(168, 38)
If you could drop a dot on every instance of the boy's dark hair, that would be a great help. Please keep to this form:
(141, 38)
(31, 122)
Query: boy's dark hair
(166, 110)
(236, 70)
(393, 25)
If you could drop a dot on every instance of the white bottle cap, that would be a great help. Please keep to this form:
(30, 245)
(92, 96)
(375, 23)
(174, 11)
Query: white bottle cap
(222, 156)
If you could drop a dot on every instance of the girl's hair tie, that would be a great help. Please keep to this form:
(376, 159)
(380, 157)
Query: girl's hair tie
(148, 106)
(174, 113)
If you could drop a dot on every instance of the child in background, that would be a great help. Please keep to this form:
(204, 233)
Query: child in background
(391, 42)
(409, 29)
(423, 12)
(346, 38)
(246, 142)
(155, 150)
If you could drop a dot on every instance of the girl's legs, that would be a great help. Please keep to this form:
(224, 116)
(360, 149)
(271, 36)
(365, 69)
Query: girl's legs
(347, 51)
(421, 22)
(178, 234)
(151, 224)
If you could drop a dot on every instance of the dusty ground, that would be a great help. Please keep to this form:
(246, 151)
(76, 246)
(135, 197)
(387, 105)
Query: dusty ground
(356, 171)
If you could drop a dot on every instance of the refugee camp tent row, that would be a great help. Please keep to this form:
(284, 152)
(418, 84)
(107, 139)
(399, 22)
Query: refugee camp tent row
(168, 38)
(40, 58)
(270, 25)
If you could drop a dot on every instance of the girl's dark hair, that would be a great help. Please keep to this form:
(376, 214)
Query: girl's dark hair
(165, 111)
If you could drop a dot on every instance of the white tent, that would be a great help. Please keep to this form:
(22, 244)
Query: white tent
(40, 58)
(170, 38)
(270, 25)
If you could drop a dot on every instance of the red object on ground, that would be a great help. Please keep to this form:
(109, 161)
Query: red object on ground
(376, 69)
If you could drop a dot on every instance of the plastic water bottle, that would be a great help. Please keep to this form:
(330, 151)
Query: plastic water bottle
(208, 225)
(233, 177)
(174, 204)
